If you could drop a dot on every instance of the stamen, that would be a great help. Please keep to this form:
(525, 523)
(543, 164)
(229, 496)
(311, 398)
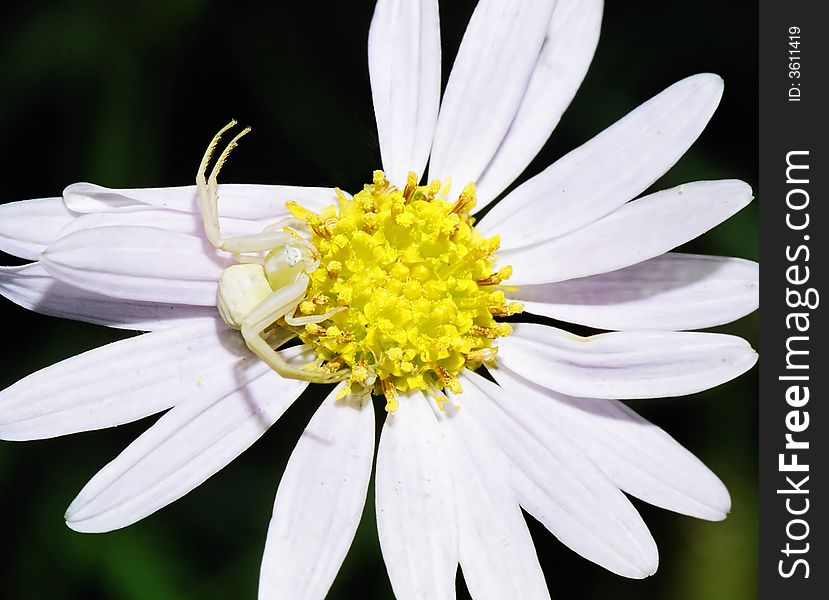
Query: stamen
(506, 310)
(334, 365)
(487, 332)
(360, 371)
(334, 268)
(411, 185)
(486, 356)
(380, 180)
(434, 189)
(390, 393)
(496, 278)
(448, 380)
(466, 200)
(317, 224)
(314, 329)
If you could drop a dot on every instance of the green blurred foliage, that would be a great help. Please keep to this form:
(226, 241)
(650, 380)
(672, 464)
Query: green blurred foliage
(128, 94)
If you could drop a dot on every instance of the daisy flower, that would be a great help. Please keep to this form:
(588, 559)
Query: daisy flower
(251, 293)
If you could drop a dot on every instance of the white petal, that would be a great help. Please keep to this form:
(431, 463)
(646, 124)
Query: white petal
(557, 484)
(669, 293)
(138, 263)
(416, 503)
(636, 455)
(618, 164)
(404, 64)
(31, 287)
(149, 216)
(639, 230)
(567, 51)
(242, 201)
(189, 444)
(124, 381)
(319, 501)
(625, 364)
(28, 226)
(495, 61)
(496, 551)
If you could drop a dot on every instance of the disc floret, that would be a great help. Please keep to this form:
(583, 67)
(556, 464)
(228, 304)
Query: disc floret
(417, 282)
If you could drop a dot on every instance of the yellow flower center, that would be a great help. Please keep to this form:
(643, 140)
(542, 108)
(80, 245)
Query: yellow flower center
(417, 281)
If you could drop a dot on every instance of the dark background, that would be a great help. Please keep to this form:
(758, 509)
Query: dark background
(128, 95)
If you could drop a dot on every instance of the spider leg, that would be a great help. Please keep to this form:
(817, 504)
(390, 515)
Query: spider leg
(208, 202)
(255, 242)
(208, 196)
(270, 238)
(263, 316)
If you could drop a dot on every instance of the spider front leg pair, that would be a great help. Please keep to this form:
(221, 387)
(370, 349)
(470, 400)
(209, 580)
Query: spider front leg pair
(255, 295)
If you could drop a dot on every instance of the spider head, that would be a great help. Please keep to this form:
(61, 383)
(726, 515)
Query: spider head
(243, 287)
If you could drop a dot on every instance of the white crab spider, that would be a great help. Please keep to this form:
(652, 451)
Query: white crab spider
(255, 294)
